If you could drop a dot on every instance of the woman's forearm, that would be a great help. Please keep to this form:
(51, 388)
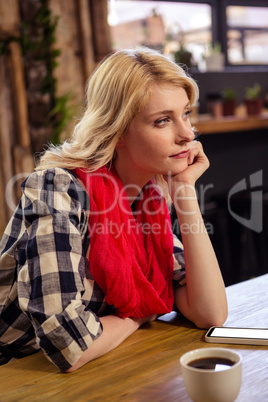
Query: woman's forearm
(203, 300)
(115, 331)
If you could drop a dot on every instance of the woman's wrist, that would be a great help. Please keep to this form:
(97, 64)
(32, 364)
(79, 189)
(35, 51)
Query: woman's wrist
(185, 201)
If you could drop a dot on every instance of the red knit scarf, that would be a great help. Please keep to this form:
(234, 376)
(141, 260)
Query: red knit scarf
(130, 259)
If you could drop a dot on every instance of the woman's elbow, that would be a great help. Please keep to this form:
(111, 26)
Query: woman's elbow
(214, 320)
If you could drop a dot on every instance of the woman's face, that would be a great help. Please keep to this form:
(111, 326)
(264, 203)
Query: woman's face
(159, 137)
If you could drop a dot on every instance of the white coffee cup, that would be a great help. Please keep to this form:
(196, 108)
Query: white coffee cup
(208, 385)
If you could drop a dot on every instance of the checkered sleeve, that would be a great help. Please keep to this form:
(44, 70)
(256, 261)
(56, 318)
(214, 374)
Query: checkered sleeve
(50, 277)
(179, 263)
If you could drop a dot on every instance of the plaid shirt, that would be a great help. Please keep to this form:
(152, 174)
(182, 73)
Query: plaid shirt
(48, 298)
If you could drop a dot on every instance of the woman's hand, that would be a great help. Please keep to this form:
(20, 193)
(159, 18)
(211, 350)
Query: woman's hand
(198, 163)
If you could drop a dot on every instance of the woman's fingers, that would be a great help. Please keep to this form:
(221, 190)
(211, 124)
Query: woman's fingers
(196, 153)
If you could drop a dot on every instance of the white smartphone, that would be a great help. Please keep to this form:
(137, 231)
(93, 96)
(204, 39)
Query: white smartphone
(242, 336)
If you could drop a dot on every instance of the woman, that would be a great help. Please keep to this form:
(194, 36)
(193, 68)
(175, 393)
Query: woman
(88, 255)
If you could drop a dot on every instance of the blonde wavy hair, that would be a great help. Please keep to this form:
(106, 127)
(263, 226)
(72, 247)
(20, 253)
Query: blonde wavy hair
(117, 90)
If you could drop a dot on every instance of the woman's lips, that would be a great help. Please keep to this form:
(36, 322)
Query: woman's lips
(181, 155)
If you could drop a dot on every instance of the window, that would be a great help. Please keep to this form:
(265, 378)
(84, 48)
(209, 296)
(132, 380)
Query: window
(247, 35)
(240, 27)
(164, 25)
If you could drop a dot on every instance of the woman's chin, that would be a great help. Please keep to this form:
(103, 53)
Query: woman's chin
(177, 169)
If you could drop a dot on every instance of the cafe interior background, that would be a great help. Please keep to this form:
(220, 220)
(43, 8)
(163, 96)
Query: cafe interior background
(48, 49)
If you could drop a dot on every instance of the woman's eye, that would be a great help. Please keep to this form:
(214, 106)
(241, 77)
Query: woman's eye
(188, 113)
(161, 122)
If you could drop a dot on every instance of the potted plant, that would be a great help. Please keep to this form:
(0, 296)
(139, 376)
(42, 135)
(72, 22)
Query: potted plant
(183, 56)
(214, 59)
(253, 101)
(229, 101)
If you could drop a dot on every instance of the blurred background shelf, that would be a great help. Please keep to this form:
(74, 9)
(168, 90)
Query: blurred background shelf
(205, 124)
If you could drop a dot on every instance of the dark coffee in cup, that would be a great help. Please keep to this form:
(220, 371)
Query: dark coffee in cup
(211, 363)
(212, 374)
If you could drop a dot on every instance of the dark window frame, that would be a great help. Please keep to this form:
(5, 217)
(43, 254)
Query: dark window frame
(220, 28)
(224, 28)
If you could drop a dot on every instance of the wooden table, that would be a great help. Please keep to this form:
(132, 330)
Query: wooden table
(146, 366)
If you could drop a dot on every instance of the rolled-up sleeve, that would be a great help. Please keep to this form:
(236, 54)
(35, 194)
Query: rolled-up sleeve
(179, 263)
(52, 268)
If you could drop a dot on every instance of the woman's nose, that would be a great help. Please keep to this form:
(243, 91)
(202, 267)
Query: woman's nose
(185, 133)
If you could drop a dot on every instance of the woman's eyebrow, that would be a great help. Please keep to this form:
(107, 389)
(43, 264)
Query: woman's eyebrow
(162, 112)
(168, 111)
(187, 105)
